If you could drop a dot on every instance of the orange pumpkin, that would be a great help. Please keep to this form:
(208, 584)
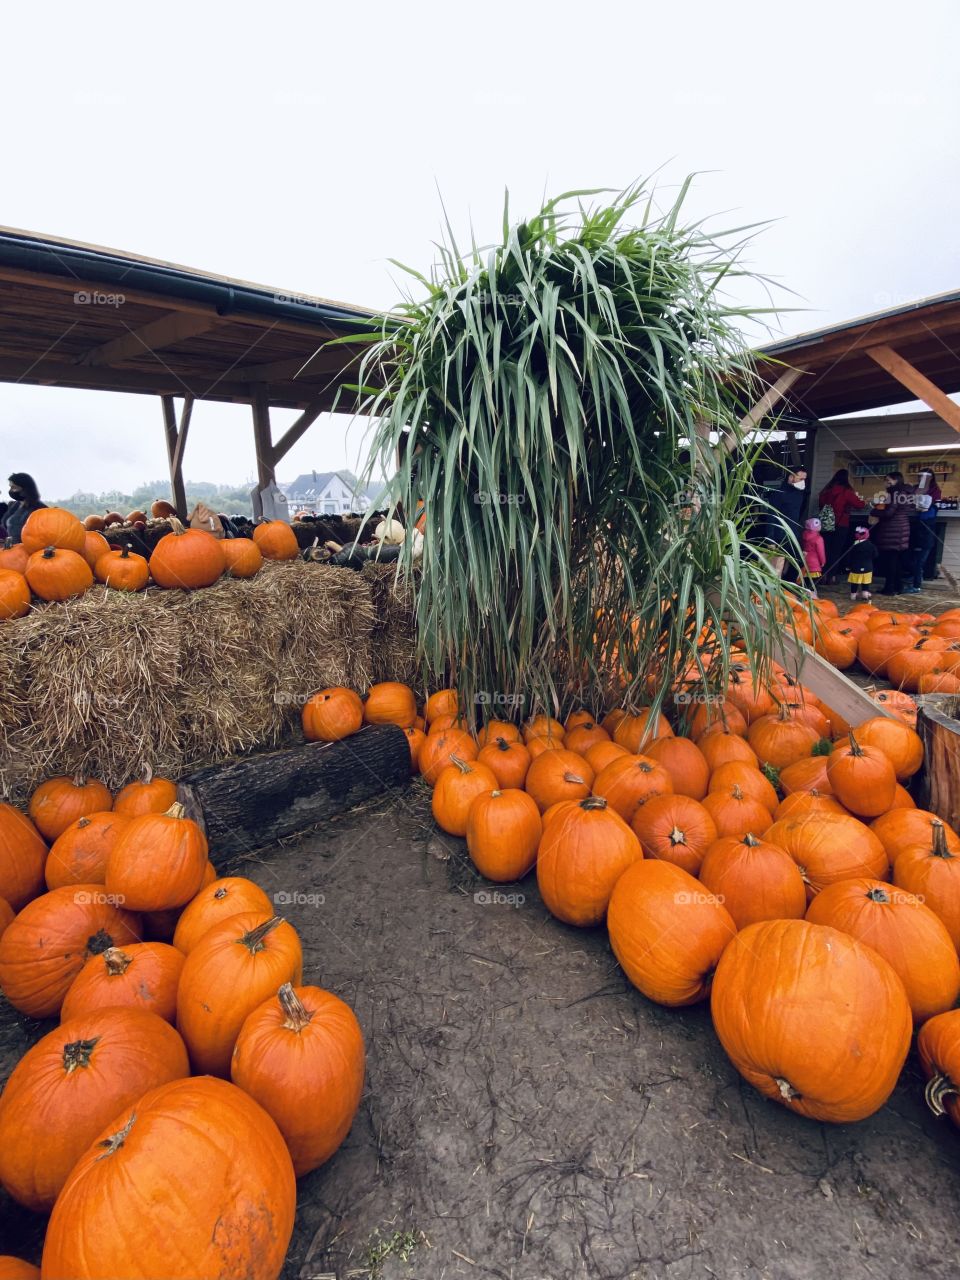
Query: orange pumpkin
(457, 786)
(163, 1141)
(558, 775)
(332, 714)
(142, 976)
(14, 594)
(862, 778)
(584, 850)
(906, 667)
(242, 557)
(797, 803)
(634, 731)
(79, 855)
(898, 742)
(838, 642)
(495, 729)
(601, 753)
(667, 932)
(628, 782)
(158, 862)
(507, 761)
(676, 828)
(415, 740)
(55, 574)
(301, 1055)
(828, 847)
(187, 559)
(14, 556)
(750, 780)
(755, 880)
(503, 833)
(122, 570)
(232, 969)
(735, 813)
(439, 749)
(939, 1047)
(217, 901)
(900, 830)
(12, 1268)
(7, 915)
(390, 703)
(877, 645)
(95, 545)
(808, 774)
(149, 795)
(932, 872)
(908, 935)
(719, 714)
(444, 702)
(720, 747)
(276, 540)
(53, 527)
(794, 1002)
(684, 762)
(69, 1085)
(48, 943)
(584, 736)
(780, 740)
(22, 857)
(58, 802)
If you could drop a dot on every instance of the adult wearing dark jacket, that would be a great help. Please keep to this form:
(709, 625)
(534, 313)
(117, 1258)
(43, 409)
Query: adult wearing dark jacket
(839, 494)
(25, 500)
(892, 535)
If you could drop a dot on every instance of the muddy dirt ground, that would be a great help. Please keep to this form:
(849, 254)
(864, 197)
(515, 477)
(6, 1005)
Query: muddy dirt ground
(529, 1116)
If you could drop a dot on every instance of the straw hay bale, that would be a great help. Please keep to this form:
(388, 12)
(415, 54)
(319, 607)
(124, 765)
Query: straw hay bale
(393, 642)
(109, 683)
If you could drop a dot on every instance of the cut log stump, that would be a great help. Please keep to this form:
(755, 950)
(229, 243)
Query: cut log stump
(249, 803)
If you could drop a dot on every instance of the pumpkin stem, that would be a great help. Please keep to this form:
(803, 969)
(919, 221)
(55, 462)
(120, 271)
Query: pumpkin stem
(940, 849)
(116, 1140)
(98, 942)
(736, 792)
(677, 836)
(593, 802)
(495, 795)
(125, 552)
(147, 775)
(786, 1088)
(220, 893)
(503, 744)
(79, 779)
(878, 895)
(574, 777)
(48, 553)
(297, 1014)
(462, 765)
(176, 810)
(83, 822)
(77, 1054)
(176, 526)
(855, 748)
(939, 1087)
(750, 840)
(117, 961)
(253, 940)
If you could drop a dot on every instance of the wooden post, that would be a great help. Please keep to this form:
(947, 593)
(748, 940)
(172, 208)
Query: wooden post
(262, 441)
(940, 778)
(176, 442)
(760, 410)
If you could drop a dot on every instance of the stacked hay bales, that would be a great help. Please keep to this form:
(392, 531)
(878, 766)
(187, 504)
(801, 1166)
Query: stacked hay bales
(108, 683)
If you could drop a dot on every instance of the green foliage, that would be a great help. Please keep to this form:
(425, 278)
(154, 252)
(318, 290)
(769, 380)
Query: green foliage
(551, 399)
(231, 500)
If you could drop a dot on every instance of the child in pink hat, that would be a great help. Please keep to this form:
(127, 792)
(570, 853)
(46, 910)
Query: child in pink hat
(814, 552)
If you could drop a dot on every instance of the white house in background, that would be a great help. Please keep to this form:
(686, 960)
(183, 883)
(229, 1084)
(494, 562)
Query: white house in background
(327, 493)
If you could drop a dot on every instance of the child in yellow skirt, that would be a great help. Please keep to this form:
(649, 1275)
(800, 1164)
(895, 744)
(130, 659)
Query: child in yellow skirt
(860, 560)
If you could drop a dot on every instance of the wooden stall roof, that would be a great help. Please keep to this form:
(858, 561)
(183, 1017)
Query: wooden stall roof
(78, 315)
(871, 361)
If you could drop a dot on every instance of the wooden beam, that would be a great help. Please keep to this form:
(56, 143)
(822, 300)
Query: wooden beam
(756, 415)
(296, 430)
(262, 442)
(838, 691)
(175, 454)
(173, 327)
(182, 429)
(914, 381)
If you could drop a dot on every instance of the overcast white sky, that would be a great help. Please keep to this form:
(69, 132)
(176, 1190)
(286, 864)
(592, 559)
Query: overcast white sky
(303, 145)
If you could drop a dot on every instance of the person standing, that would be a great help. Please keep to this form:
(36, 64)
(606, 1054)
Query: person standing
(927, 486)
(860, 560)
(814, 552)
(25, 499)
(922, 539)
(893, 531)
(838, 496)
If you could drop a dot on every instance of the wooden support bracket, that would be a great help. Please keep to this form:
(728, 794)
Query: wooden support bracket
(176, 435)
(914, 381)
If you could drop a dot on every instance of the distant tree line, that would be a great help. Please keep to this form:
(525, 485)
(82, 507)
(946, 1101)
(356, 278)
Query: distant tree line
(230, 500)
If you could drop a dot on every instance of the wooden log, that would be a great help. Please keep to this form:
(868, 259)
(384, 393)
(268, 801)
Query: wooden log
(939, 782)
(837, 690)
(256, 801)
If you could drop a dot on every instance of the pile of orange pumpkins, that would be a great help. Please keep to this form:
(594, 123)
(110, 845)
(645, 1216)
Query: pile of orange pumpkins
(59, 558)
(918, 652)
(192, 1077)
(771, 860)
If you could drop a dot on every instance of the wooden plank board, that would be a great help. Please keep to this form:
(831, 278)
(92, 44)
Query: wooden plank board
(838, 691)
(940, 778)
(914, 381)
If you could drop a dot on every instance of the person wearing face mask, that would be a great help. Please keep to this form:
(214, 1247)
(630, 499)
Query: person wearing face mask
(25, 497)
(788, 502)
(893, 531)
